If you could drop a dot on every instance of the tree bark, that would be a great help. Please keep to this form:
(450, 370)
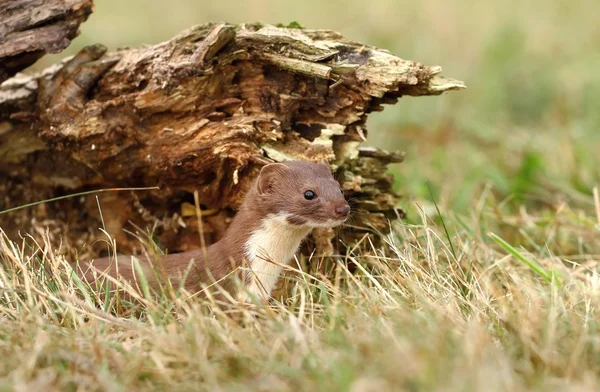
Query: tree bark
(31, 28)
(199, 113)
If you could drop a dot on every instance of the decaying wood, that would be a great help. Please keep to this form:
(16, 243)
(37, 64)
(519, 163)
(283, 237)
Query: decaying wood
(31, 28)
(199, 113)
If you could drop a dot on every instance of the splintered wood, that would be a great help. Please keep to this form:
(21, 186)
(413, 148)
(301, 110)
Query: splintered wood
(202, 112)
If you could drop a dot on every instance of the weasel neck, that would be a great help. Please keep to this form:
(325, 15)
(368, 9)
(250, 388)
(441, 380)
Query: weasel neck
(269, 247)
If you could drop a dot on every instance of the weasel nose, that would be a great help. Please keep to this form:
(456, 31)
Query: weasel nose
(342, 210)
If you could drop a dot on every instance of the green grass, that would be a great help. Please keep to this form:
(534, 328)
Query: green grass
(491, 283)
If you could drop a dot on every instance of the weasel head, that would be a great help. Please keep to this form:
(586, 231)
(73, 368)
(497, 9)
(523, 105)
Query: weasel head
(305, 193)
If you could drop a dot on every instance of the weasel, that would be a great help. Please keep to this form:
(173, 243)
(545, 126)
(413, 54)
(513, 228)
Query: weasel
(286, 201)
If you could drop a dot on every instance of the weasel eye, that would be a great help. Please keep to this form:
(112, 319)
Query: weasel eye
(309, 195)
(342, 191)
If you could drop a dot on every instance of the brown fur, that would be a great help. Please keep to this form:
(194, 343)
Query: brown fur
(279, 189)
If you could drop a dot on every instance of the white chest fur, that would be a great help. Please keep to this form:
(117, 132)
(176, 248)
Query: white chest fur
(268, 249)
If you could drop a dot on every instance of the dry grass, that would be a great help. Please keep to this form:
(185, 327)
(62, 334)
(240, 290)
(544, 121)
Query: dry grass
(435, 313)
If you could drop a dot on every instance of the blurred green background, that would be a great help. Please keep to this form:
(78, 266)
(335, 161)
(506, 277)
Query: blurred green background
(527, 127)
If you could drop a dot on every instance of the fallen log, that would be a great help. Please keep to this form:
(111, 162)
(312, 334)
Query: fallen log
(198, 114)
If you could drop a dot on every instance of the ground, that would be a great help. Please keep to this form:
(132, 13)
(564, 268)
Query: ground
(492, 282)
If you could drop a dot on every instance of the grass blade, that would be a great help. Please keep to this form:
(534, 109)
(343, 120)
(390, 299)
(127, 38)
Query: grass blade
(139, 271)
(443, 221)
(534, 265)
(35, 203)
(82, 288)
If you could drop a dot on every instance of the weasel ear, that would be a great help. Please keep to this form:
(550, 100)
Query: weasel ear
(323, 162)
(267, 175)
